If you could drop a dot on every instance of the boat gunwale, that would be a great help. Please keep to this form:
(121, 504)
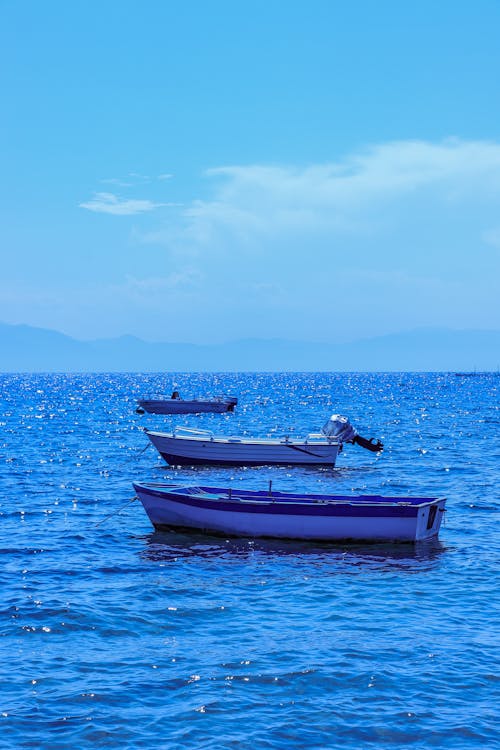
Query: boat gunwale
(208, 437)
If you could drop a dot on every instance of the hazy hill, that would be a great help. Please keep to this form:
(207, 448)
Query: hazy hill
(28, 349)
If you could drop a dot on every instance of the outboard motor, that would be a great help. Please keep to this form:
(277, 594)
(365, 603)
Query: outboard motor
(340, 428)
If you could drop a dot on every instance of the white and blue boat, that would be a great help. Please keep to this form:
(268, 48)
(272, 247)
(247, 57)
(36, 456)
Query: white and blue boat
(285, 515)
(186, 446)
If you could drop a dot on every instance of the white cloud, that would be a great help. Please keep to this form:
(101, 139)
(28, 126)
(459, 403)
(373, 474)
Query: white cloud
(108, 203)
(334, 196)
(386, 238)
(139, 177)
(116, 181)
(394, 228)
(180, 280)
(398, 206)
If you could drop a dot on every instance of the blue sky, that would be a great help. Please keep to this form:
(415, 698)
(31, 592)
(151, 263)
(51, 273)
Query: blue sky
(207, 171)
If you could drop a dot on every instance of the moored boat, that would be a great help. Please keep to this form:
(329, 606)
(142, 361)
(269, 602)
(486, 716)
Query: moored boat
(177, 405)
(267, 513)
(188, 446)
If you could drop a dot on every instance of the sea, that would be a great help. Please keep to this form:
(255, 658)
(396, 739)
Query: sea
(117, 636)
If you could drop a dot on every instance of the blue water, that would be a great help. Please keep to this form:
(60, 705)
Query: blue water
(113, 635)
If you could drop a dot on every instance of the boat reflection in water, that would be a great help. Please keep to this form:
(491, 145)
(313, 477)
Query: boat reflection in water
(172, 546)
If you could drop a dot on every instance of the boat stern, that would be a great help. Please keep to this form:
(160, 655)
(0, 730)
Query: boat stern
(429, 519)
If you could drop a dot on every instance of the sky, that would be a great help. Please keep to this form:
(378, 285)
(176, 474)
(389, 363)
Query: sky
(210, 171)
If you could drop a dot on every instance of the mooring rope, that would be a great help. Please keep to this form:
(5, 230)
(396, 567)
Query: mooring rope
(116, 511)
(144, 449)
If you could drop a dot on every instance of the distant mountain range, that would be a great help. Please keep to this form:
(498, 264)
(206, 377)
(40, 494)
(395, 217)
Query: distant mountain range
(28, 349)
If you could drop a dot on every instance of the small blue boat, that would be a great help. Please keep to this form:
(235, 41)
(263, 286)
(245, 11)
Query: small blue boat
(267, 513)
(177, 405)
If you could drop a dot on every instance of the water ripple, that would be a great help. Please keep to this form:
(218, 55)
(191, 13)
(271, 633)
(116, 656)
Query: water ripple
(115, 635)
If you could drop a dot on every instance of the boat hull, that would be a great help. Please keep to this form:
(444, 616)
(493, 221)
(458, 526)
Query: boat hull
(179, 406)
(185, 451)
(327, 518)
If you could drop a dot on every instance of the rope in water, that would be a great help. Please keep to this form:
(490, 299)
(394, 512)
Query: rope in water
(129, 501)
(116, 511)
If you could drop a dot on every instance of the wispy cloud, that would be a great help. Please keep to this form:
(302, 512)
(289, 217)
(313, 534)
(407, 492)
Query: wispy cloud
(408, 185)
(135, 178)
(108, 203)
(183, 279)
(383, 236)
(116, 181)
(389, 197)
(139, 177)
(334, 196)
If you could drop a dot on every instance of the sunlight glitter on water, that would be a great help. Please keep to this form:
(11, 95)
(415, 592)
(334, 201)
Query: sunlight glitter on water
(179, 640)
